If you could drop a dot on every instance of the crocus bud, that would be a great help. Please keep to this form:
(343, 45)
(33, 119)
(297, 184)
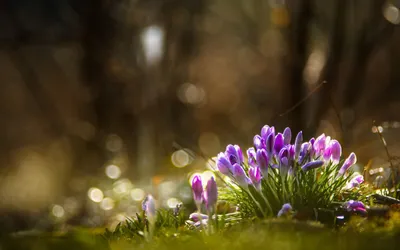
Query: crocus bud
(197, 188)
(239, 153)
(259, 142)
(197, 217)
(149, 207)
(232, 154)
(240, 176)
(304, 151)
(355, 181)
(311, 148)
(279, 143)
(255, 177)
(297, 144)
(223, 164)
(285, 210)
(211, 194)
(312, 165)
(327, 153)
(263, 161)
(264, 131)
(350, 161)
(270, 144)
(355, 206)
(319, 144)
(287, 136)
(336, 151)
(251, 156)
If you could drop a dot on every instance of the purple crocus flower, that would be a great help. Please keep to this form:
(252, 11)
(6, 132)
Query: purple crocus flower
(239, 153)
(355, 181)
(350, 161)
(262, 161)
(311, 148)
(259, 142)
(240, 176)
(223, 164)
(264, 131)
(319, 145)
(336, 151)
(270, 144)
(255, 177)
(233, 154)
(251, 156)
(279, 143)
(297, 144)
(197, 188)
(304, 151)
(211, 194)
(287, 136)
(267, 132)
(312, 165)
(285, 210)
(197, 216)
(149, 207)
(355, 206)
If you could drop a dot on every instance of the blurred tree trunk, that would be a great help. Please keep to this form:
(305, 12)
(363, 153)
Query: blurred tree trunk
(301, 14)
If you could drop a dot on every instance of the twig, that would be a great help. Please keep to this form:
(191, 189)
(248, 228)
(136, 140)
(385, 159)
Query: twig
(302, 100)
(389, 158)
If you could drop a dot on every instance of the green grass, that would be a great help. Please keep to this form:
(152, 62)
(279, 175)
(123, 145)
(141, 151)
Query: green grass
(271, 234)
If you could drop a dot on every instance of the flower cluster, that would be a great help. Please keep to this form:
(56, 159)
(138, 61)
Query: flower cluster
(283, 171)
(274, 150)
(208, 196)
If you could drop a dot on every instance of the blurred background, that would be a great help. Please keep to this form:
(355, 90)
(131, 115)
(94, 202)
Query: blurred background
(102, 102)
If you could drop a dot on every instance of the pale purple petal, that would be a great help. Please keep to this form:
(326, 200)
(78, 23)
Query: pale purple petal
(287, 135)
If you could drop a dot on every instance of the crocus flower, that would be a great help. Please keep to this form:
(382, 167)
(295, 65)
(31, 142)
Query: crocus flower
(197, 188)
(350, 161)
(336, 151)
(259, 142)
(270, 144)
(239, 153)
(312, 165)
(234, 154)
(240, 176)
(285, 210)
(297, 144)
(149, 207)
(279, 143)
(197, 216)
(319, 145)
(287, 136)
(255, 177)
(304, 150)
(355, 206)
(211, 194)
(223, 164)
(311, 148)
(264, 131)
(355, 181)
(262, 161)
(251, 156)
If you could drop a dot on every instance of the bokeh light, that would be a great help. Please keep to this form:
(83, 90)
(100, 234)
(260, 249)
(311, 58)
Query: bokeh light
(191, 94)
(123, 186)
(113, 172)
(114, 143)
(58, 211)
(152, 41)
(181, 158)
(95, 194)
(137, 194)
(107, 203)
(172, 202)
(391, 13)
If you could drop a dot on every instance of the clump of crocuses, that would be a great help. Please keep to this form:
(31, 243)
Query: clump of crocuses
(279, 171)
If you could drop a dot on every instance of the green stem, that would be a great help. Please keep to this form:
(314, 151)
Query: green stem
(255, 200)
